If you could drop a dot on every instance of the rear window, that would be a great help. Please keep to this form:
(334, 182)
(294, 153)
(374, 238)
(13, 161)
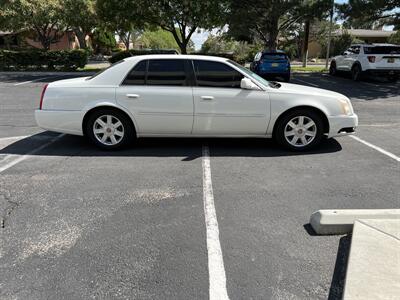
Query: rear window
(382, 50)
(273, 56)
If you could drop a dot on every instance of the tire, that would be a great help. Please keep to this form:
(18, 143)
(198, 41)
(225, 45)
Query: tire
(303, 138)
(356, 73)
(109, 129)
(332, 69)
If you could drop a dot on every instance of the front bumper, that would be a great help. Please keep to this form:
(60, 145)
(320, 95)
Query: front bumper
(60, 121)
(342, 125)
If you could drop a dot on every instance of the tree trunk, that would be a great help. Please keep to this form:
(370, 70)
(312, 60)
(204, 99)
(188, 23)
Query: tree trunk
(305, 43)
(81, 38)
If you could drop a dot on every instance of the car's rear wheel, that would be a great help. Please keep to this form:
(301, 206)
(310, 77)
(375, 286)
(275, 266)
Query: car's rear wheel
(109, 129)
(356, 73)
(300, 130)
(332, 69)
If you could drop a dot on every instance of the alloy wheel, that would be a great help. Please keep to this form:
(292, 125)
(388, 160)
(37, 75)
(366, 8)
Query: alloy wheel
(300, 131)
(108, 130)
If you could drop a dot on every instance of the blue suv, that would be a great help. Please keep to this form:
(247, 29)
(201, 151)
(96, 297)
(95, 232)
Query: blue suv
(271, 64)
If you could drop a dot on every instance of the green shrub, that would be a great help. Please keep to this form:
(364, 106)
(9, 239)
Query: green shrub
(124, 54)
(35, 59)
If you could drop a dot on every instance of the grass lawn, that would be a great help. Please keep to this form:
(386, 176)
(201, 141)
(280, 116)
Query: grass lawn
(308, 69)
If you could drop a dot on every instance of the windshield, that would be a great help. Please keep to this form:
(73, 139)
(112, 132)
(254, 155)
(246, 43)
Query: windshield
(274, 56)
(253, 75)
(382, 50)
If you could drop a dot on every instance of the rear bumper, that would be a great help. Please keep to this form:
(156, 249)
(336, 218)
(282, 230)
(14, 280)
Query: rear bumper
(385, 72)
(60, 121)
(342, 125)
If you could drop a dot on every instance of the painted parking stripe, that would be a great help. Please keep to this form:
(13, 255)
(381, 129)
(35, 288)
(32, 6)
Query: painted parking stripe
(34, 80)
(15, 159)
(216, 269)
(305, 82)
(383, 151)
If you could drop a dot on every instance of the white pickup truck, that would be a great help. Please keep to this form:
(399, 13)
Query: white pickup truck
(368, 59)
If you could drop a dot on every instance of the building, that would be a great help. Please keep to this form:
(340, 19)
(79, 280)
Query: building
(28, 39)
(365, 35)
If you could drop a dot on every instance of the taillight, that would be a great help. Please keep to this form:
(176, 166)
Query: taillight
(42, 96)
(371, 59)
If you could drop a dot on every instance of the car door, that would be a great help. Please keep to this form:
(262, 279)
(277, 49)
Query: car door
(158, 94)
(341, 61)
(352, 56)
(221, 107)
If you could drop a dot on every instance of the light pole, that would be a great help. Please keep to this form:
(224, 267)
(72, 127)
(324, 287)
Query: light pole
(329, 35)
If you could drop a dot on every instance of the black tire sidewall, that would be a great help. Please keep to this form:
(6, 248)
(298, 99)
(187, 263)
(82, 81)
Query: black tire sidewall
(129, 133)
(280, 129)
(353, 73)
(332, 69)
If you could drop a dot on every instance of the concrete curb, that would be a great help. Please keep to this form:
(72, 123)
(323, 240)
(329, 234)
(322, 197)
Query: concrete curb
(341, 221)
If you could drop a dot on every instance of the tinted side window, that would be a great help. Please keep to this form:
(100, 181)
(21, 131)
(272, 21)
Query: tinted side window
(166, 72)
(216, 74)
(137, 75)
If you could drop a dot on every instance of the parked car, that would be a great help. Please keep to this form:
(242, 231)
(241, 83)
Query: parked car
(368, 59)
(191, 96)
(271, 64)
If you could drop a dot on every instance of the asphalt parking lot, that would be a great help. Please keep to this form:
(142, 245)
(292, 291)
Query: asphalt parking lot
(80, 223)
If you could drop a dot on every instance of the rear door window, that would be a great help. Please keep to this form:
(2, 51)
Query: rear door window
(137, 76)
(169, 72)
(216, 74)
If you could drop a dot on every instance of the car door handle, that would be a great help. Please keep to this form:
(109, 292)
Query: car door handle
(207, 97)
(132, 96)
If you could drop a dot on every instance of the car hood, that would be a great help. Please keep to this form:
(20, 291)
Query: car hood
(291, 88)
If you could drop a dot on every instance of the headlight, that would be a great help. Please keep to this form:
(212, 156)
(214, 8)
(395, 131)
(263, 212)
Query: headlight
(345, 107)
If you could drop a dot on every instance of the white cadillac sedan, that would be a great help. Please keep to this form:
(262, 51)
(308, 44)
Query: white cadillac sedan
(191, 96)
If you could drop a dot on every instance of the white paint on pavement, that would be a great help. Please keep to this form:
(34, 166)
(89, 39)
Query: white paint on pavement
(216, 270)
(383, 151)
(15, 159)
(305, 82)
(34, 80)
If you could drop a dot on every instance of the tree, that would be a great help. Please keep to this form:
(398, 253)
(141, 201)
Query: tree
(264, 20)
(80, 15)
(371, 12)
(122, 17)
(261, 20)
(179, 17)
(158, 39)
(395, 38)
(43, 17)
(103, 40)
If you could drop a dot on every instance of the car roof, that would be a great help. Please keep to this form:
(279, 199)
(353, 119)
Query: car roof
(179, 56)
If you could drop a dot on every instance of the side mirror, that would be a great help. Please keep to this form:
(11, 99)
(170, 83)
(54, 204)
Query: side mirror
(247, 84)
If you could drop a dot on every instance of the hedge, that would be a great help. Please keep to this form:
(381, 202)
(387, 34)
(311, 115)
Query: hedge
(128, 53)
(35, 59)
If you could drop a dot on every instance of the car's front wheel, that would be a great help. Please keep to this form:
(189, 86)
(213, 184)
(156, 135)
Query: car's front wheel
(109, 129)
(300, 130)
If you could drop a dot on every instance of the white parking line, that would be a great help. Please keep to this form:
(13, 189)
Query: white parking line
(18, 158)
(383, 151)
(216, 270)
(34, 80)
(305, 82)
